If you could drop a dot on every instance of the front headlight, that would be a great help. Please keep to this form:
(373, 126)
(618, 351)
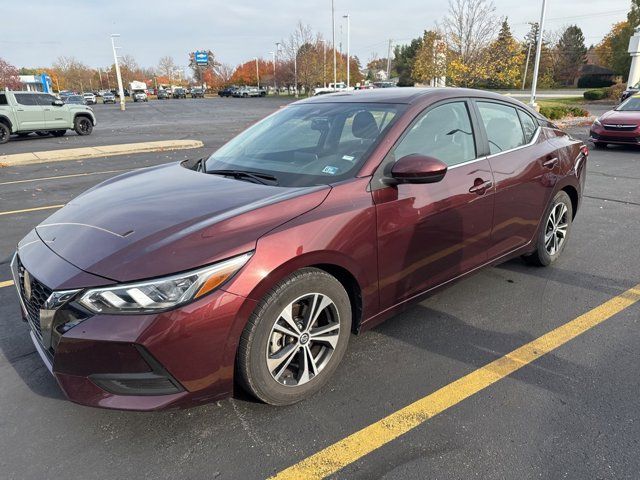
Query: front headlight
(162, 293)
(597, 122)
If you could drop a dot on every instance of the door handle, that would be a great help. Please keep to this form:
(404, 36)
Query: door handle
(481, 186)
(552, 162)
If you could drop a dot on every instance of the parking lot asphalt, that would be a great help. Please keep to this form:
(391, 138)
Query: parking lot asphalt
(573, 413)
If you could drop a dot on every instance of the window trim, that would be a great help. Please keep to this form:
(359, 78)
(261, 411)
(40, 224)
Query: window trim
(487, 149)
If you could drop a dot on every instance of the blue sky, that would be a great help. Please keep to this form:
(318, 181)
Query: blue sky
(237, 31)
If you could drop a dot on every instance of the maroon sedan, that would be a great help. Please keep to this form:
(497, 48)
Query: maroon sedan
(162, 287)
(618, 126)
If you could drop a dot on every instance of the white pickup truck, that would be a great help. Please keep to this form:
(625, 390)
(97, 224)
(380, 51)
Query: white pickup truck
(22, 113)
(339, 87)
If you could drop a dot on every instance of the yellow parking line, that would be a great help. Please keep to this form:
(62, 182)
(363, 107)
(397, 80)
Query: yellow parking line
(56, 177)
(35, 209)
(374, 436)
(6, 283)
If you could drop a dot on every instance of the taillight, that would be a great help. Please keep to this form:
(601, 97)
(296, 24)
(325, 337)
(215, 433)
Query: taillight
(585, 150)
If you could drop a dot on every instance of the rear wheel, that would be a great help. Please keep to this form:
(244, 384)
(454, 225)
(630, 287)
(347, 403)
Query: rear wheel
(5, 133)
(296, 338)
(83, 126)
(554, 233)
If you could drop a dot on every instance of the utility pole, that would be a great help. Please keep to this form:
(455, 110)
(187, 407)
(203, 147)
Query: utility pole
(536, 69)
(324, 63)
(333, 43)
(115, 59)
(526, 66)
(389, 60)
(100, 76)
(274, 63)
(348, 57)
(257, 72)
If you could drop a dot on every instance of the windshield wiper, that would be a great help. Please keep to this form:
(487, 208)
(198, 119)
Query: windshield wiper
(256, 177)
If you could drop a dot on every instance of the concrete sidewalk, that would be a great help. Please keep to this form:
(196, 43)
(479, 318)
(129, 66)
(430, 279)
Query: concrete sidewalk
(30, 158)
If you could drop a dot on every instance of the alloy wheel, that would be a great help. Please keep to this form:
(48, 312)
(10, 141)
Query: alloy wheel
(303, 339)
(556, 229)
(84, 125)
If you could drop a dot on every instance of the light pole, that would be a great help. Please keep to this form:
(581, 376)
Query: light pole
(536, 69)
(348, 40)
(257, 72)
(275, 87)
(333, 43)
(115, 59)
(276, 61)
(324, 63)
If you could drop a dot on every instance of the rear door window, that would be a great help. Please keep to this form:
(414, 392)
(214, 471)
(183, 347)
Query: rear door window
(26, 99)
(45, 99)
(504, 130)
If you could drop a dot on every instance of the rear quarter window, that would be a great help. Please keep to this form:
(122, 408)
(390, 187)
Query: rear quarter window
(3, 99)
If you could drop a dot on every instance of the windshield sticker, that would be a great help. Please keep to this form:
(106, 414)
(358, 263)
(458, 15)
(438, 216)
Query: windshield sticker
(330, 170)
(348, 158)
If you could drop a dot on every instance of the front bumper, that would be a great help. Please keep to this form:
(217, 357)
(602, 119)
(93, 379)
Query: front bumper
(178, 358)
(602, 135)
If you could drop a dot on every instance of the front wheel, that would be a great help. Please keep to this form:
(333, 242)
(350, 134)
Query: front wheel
(296, 338)
(83, 126)
(554, 232)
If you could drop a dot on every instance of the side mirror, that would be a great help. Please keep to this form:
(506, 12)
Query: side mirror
(416, 168)
(57, 103)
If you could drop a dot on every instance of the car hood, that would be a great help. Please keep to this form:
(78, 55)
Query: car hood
(167, 219)
(615, 117)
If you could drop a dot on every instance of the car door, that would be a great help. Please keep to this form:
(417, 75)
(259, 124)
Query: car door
(29, 113)
(525, 168)
(55, 116)
(429, 234)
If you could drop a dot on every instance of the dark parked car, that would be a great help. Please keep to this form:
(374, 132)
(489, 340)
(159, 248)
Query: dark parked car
(323, 219)
(618, 126)
(228, 91)
(75, 100)
(164, 94)
(631, 90)
(197, 92)
(179, 93)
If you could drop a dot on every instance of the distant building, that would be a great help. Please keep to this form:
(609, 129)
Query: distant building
(36, 83)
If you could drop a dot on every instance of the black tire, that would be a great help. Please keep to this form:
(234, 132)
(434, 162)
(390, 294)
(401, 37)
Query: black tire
(542, 257)
(5, 133)
(83, 126)
(59, 133)
(42, 133)
(257, 338)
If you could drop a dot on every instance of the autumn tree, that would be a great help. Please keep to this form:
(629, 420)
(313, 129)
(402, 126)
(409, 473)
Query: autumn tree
(547, 57)
(202, 73)
(249, 73)
(469, 26)
(571, 55)
(430, 59)
(8, 76)
(612, 50)
(507, 59)
(72, 74)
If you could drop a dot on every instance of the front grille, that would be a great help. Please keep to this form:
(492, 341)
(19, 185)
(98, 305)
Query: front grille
(39, 295)
(620, 128)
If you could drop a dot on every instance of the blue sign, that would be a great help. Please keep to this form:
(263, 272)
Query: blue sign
(202, 57)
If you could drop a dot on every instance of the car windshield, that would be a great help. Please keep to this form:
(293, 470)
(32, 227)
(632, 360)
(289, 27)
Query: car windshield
(74, 98)
(308, 144)
(630, 105)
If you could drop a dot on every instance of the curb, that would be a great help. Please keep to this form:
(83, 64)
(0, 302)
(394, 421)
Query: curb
(95, 152)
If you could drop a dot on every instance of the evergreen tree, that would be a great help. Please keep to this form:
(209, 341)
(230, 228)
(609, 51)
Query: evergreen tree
(571, 55)
(404, 58)
(506, 58)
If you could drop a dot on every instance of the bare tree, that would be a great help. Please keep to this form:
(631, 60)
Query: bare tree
(8, 76)
(166, 66)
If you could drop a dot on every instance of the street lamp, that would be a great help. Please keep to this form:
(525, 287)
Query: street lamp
(348, 38)
(115, 59)
(257, 72)
(333, 43)
(275, 87)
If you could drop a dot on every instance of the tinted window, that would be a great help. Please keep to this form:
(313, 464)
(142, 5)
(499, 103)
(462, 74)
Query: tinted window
(444, 133)
(308, 144)
(26, 99)
(502, 125)
(3, 99)
(528, 125)
(45, 99)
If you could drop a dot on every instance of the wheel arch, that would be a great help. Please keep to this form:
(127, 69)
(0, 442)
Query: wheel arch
(573, 195)
(86, 115)
(5, 120)
(351, 285)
